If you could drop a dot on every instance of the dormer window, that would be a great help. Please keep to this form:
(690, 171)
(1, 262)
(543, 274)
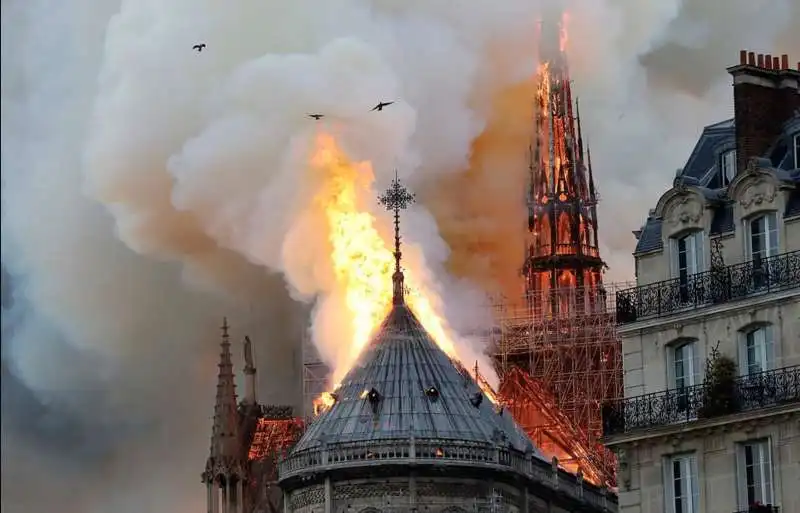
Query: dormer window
(727, 167)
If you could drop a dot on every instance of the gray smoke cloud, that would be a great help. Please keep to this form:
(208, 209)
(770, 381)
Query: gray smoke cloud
(148, 190)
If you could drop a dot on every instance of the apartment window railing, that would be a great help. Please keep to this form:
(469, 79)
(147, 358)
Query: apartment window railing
(760, 508)
(729, 283)
(751, 392)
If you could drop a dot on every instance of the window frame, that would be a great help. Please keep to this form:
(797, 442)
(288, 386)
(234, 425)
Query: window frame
(771, 247)
(687, 462)
(766, 471)
(727, 158)
(695, 374)
(698, 238)
(764, 347)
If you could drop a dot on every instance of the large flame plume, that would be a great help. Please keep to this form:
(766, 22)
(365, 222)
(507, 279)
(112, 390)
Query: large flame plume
(361, 260)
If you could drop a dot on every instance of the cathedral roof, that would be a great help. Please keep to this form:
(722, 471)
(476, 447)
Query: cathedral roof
(405, 386)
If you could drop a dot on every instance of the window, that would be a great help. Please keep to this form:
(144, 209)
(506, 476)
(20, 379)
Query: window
(689, 255)
(754, 473)
(757, 351)
(727, 167)
(763, 239)
(685, 365)
(683, 373)
(681, 487)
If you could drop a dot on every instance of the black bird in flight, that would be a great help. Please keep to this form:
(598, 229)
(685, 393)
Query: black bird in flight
(199, 47)
(316, 116)
(379, 107)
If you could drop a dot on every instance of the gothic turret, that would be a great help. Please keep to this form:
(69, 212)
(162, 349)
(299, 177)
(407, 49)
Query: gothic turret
(224, 472)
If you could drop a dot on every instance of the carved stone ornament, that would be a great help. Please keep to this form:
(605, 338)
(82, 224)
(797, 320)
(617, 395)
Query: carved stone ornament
(759, 193)
(685, 210)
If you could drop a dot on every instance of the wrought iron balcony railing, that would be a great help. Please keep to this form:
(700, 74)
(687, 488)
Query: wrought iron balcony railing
(761, 508)
(716, 286)
(747, 393)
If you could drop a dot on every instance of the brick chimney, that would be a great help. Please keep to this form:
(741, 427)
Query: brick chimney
(766, 93)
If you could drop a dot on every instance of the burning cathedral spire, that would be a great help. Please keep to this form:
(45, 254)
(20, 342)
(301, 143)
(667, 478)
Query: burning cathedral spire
(562, 248)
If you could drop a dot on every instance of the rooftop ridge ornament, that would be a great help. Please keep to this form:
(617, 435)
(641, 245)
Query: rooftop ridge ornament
(397, 198)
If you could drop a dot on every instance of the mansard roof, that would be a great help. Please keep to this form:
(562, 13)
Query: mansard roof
(404, 386)
(701, 174)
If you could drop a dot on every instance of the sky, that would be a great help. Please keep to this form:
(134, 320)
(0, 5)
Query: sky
(148, 190)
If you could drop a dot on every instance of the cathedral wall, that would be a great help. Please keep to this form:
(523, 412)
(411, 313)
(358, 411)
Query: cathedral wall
(433, 495)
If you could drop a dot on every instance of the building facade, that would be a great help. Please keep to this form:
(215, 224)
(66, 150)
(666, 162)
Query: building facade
(710, 422)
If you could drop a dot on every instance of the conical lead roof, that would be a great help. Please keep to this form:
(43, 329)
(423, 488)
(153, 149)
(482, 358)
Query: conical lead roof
(405, 386)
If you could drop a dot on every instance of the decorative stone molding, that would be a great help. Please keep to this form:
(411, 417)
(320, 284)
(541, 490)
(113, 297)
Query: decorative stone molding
(758, 194)
(756, 188)
(681, 208)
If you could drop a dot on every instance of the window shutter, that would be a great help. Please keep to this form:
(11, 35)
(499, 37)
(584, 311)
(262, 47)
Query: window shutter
(769, 347)
(741, 479)
(767, 448)
(748, 238)
(669, 486)
(772, 234)
(673, 257)
(692, 464)
(671, 367)
(697, 366)
(742, 353)
(700, 251)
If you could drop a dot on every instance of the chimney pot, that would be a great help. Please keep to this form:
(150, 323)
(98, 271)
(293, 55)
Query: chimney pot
(785, 61)
(760, 60)
(776, 63)
(768, 61)
(751, 58)
(742, 56)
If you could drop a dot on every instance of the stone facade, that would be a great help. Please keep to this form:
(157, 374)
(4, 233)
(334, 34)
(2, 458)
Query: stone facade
(721, 294)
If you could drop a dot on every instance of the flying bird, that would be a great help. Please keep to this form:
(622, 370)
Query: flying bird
(379, 107)
(199, 47)
(316, 116)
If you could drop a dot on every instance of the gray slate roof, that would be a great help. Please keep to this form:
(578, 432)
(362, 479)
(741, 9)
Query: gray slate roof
(401, 363)
(701, 170)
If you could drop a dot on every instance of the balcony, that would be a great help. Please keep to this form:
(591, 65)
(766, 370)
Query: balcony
(761, 508)
(751, 392)
(729, 283)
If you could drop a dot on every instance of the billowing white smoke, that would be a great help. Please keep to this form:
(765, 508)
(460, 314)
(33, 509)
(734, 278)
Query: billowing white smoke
(199, 158)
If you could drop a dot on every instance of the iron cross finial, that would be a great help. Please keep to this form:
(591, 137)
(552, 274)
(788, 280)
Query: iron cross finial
(397, 198)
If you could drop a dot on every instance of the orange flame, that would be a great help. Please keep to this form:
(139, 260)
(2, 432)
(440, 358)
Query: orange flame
(362, 262)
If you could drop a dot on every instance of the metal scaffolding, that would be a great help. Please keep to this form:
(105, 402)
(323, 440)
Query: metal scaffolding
(572, 353)
(316, 375)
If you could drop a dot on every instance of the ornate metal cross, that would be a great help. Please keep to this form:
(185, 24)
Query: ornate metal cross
(396, 198)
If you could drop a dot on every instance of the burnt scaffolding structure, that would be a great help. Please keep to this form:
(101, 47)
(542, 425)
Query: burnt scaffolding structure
(556, 371)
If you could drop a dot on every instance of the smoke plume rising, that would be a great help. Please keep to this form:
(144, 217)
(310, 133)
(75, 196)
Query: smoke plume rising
(149, 189)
